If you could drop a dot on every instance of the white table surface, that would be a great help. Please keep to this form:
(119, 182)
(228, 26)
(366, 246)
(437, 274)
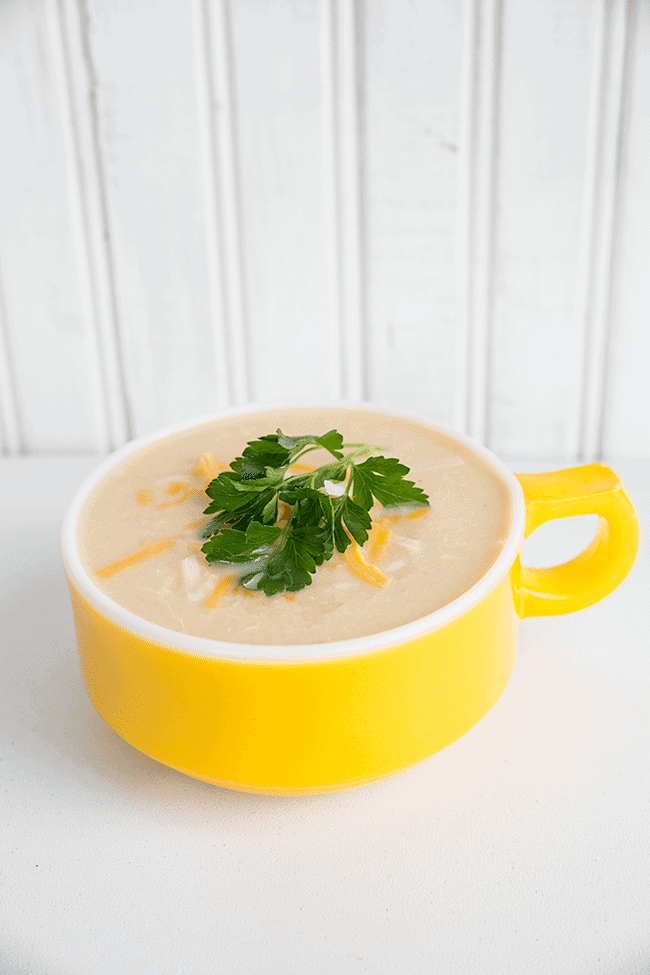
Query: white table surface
(523, 848)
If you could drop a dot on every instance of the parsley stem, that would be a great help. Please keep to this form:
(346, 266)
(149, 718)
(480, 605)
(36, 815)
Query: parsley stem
(362, 448)
(367, 449)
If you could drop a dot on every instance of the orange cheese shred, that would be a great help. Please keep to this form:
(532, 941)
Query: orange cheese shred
(195, 524)
(377, 541)
(363, 570)
(289, 595)
(143, 497)
(183, 497)
(284, 512)
(387, 520)
(208, 467)
(302, 468)
(176, 487)
(218, 592)
(418, 513)
(145, 553)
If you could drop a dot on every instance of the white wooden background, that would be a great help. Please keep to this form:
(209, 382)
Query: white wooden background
(440, 205)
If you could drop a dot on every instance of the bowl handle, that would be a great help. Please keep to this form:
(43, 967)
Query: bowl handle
(592, 489)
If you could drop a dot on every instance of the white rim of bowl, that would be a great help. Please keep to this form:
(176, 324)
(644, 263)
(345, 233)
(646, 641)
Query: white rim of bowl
(289, 653)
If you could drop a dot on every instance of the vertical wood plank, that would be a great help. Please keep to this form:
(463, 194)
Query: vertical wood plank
(143, 58)
(548, 49)
(627, 403)
(88, 215)
(413, 66)
(220, 147)
(600, 223)
(332, 202)
(280, 109)
(49, 334)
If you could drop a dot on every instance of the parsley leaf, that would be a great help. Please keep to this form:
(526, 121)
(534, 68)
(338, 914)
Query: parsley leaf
(348, 514)
(258, 455)
(293, 564)
(332, 441)
(231, 545)
(383, 477)
(247, 528)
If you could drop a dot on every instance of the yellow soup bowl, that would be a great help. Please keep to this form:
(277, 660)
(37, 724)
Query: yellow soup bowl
(323, 717)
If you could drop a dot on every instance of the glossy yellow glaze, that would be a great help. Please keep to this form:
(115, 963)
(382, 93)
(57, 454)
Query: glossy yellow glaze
(299, 727)
(591, 489)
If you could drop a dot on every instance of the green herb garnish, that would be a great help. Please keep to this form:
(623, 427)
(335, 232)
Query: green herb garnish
(245, 504)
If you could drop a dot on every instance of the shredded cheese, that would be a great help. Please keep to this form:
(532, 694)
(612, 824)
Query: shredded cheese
(145, 553)
(194, 546)
(363, 570)
(218, 592)
(143, 497)
(284, 512)
(388, 520)
(208, 467)
(289, 595)
(419, 513)
(176, 487)
(183, 497)
(377, 541)
(302, 468)
(195, 524)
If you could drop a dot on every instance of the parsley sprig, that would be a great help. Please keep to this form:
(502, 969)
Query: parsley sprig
(278, 554)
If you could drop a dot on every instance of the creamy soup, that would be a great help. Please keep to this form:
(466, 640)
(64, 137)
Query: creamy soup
(140, 535)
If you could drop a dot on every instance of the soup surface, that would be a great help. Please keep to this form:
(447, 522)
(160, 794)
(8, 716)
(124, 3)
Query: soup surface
(153, 501)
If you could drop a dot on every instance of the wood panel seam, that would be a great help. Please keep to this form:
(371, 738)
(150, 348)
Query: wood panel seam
(613, 283)
(477, 213)
(344, 164)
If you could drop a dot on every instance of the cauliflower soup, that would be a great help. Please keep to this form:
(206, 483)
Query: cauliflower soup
(139, 534)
